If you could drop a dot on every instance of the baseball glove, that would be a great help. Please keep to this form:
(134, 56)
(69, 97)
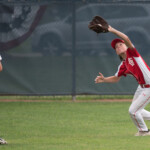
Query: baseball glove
(98, 25)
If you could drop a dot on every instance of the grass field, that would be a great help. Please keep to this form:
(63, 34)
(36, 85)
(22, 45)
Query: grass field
(69, 126)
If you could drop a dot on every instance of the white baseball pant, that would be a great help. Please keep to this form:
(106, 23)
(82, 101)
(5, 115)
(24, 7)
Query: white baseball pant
(137, 112)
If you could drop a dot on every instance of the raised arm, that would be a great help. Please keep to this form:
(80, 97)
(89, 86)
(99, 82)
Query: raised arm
(111, 79)
(121, 35)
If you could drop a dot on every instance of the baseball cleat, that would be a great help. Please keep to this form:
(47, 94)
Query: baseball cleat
(2, 141)
(143, 133)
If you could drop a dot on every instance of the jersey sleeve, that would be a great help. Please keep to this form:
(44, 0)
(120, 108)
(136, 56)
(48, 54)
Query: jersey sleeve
(122, 70)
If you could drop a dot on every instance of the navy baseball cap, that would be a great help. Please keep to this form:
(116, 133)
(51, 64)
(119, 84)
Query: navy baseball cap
(115, 41)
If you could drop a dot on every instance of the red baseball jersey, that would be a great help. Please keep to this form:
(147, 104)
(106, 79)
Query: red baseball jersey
(136, 66)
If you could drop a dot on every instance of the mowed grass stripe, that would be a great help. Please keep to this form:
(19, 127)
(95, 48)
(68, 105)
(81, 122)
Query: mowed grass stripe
(69, 126)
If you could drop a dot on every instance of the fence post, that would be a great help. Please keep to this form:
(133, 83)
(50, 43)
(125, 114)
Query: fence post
(73, 51)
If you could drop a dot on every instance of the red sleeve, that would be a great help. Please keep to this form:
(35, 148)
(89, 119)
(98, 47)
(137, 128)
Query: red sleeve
(122, 70)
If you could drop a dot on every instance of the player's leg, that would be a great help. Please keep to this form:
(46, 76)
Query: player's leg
(145, 114)
(137, 106)
(137, 117)
(137, 93)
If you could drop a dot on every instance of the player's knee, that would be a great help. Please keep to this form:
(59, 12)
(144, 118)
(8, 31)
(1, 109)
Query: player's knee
(131, 111)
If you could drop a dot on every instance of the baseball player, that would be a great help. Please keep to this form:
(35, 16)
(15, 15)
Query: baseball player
(2, 141)
(132, 63)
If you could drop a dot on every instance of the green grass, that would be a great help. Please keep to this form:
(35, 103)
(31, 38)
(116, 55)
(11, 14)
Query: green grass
(69, 126)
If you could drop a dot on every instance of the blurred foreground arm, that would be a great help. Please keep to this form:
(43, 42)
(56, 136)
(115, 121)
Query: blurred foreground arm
(1, 67)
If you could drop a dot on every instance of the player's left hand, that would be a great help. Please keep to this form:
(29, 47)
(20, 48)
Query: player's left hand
(100, 78)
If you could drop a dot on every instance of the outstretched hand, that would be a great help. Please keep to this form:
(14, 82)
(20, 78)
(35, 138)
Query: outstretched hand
(100, 78)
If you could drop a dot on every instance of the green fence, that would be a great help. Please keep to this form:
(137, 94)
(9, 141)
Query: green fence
(47, 48)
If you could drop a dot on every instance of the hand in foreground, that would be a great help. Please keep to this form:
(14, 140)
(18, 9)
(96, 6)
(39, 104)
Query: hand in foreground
(100, 78)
